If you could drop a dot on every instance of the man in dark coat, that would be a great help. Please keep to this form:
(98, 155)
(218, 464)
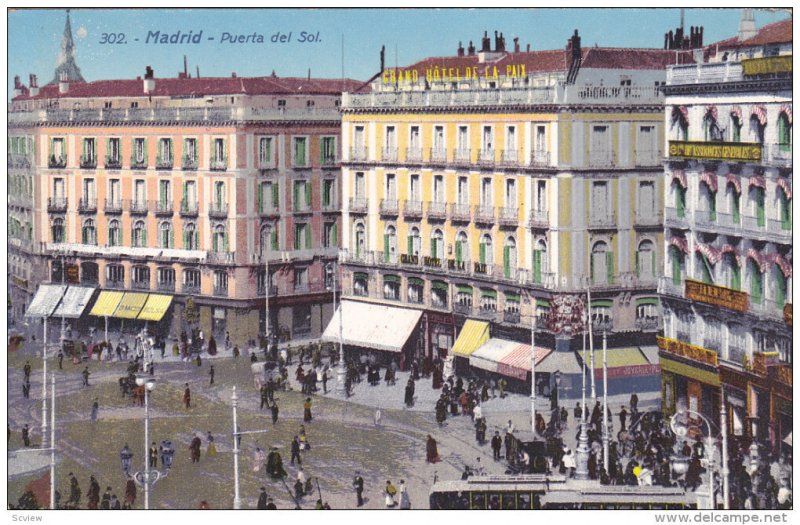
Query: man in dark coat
(94, 493)
(211, 374)
(194, 448)
(634, 403)
(274, 410)
(623, 416)
(307, 410)
(74, 491)
(27, 369)
(26, 436)
(85, 375)
(262, 499)
(358, 484)
(431, 450)
(275, 465)
(264, 397)
(497, 444)
(105, 503)
(187, 397)
(409, 394)
(296, 451)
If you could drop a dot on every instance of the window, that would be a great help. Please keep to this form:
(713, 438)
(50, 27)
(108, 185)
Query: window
(89, 232)
(114, 192)
(488, 300)
(139, 158)
(485, 254)
(736, 128)
(599, 212)
(301, 279)
(299, 153)
(139, 235)
(646, 260)
(540, 145)
(281, 104)
(115, 275)
(487, 139)
(328, 193)
(416, 288)
(438, 142)
(602, 264)
(139, 197)
(511, 193)
(647, 310)
(678, 261)
(219, 239)
(58, 230)
(141, 276)
(190, 153)
(360, 239)
(784, 132)
(414, 139)
(780, 286)
(89, 192)
(164, 157)
(302, 195)
(439, 294)
(737, 342)
(757, 129)
(680, 198)
(89, 154)
(711, 129)
(390, 149)
(391, 187)
(328, 151)
(646, 149)
(437, 244)
(600, 146)
(709, 195)
(541, 195)
(510, 258)
(166, 278)
(359, 146)
(414, 192)
(267, 197)
(462, 249)
(785, 209)
(265, 152)
(58, 153)
(601, 313)
(732, 274)
(301, 320)
(414, 242)
(462, 195)
(268, 239)
(539, 261)
(511, 140)
(712, 336)
(330, 238)
(462, 144)
(165, 235)
(191, 237)
(360, 284)
(219, 196)
(391, 287)
(390, 245)
(647, 200)
(486, 191)
(219, 154)
(302, 236)
(191, 280)
(164, 195)
(756, 282)
(757, 195)
(361, 187)
(114, 233)
(680, 123)
(220, 282)
(464, 295)
(438, 188)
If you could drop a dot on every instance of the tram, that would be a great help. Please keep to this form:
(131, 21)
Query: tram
(538, 491)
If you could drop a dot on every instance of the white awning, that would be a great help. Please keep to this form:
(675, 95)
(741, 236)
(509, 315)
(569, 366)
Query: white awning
(489, 355)
(373, 325)
(564, 362)
(74, 302)
(651, 353)
(46, 300)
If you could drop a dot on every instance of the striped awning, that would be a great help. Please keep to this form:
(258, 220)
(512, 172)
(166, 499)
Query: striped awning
(710, 179)
(786, 109)
(74, 302)
(784, 184)
(727, 248)
(472, 336)
(106, 303)
(517, 363)
(734, 180)
(130, 305)
(155, 307)
(711, 253)
(760, 113)
(761, 260)
(46, 300)
(758, 181)
(711, 110)
(736, 111)
(784, 264)
(489, 355)
(680, 243)
(680, 176)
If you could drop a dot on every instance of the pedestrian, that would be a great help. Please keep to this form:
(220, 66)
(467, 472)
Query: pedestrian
(325, 379)
(211, 450)
(264, 397)
(271, 504)
(497, 444)
(130, 492)
(153, 455)
(227, 340)
(275, 465)
(274, 410)
(358, 484)
(105, 503)
(74, 491)
(390, 493)
(95, 407)
(93, 495)
(409, 393)
(296, 451)
(187, 397)
(86, 375)
(307, 410)
(405, 501)
(60, 360)
(502, 384)
(26, 389)
(634, 403)
(623, 416)
(194, 449)
(26, 436)
(115, 502)
(211, 373)
(431, 450)
(262, 499)
(27, 370)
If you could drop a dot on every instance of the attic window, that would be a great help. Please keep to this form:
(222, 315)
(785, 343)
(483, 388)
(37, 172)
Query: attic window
(337, 102)
(134, 104)
(231, 100)
(492, 85)
(309, 103)
(281, 103)
(107, 104)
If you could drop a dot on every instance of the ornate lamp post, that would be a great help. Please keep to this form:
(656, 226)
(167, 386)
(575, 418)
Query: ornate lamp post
(341, 371)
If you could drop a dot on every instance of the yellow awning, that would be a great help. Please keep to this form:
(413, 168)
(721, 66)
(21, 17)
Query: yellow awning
(473, 335)
(155, 307)
(131, 305)
(106, 303)
(617, 357)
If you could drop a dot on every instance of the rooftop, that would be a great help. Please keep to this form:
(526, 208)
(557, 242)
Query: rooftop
(775, 33)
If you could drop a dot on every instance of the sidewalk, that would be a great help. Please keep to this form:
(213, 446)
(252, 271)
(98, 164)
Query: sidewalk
(25, 461)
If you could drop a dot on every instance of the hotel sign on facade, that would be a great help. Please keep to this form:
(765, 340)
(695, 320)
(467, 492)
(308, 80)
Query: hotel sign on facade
(694, 353)
(734, 152)
(767, 65)
(716, 295)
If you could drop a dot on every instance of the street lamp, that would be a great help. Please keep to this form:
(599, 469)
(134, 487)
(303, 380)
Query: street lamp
(680, 464)
(126, 456)
(150, 476)
(341, 371)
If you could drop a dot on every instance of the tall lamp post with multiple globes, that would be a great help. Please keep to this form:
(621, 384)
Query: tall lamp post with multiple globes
(341, 371)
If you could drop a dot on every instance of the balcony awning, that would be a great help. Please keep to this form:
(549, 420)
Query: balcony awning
(155, 307)
(46, 300)
(371, 325)
(106, 303)
(75, 301)
(130, 305)
(472, 336)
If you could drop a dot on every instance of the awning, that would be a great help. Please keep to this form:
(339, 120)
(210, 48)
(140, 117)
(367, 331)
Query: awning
(472, 336)
(623, 362)
(130, 305)
(155, 307)
(564, 362)
(517, 363)
(489, 355)
(651, 353)
(74, 302)
(372, 325)
(106, 303)
(46, 300)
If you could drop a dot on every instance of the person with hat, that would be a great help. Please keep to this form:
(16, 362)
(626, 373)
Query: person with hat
(275, 464)
(296, 451)
(94, 493)
(390, 493)
(26, 436)
(262, 499)
(105, 503)
(307, 410)
(358, 484)
(187, 397)
(405, 501)
(74, 491)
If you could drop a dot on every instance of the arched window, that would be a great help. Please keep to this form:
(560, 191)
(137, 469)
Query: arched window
(704, 269)
(539, 261)
(646, 260)
(757, 129)
(219, 241)
(510, 258)
(711, 129)
(462, 248)
(390, 245)
(678, 261)
(736, 343)
(485, 253)
(784, 132)
(712, 338)
(784, 206)
(191, 237)
(736, 128)
(114, 233)
(268, 239)
(360, 239)
(734, 201)
(414, 242)
(732, 271)
(781, 286)
(139, 234)
(602, 264)
(58, 230)
(437, 244)
(680, 123)
(679, 191)
(756, 282)
(165, 235)
(89, 232)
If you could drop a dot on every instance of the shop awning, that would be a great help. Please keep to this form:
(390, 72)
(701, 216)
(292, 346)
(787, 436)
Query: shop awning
(564, 362)
(651, 353)
(624, 362)
(372, 325)
(510, 358)
(106, 303)
(75, 301)
(489, 355)
(472, 336)
(155, 307)
(46, 300)
(130, 305)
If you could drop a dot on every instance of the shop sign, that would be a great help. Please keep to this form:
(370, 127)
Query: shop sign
(409, 259)
(716, 295)
(767, 65)
(689, 371)
(733, 378)
(695, 353)
(437, 318)
(731, 151)
(73, 273)
(628, 371)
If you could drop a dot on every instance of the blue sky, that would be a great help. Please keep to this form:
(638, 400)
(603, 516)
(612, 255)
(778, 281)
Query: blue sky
(34, 37)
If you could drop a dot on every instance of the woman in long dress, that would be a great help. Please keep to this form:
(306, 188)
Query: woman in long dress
(211, 451)
(432, 451)
(258, 459)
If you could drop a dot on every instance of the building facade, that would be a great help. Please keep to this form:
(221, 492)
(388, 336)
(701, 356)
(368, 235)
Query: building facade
(727, 288)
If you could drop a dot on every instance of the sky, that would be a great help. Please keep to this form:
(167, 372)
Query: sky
(34, 37)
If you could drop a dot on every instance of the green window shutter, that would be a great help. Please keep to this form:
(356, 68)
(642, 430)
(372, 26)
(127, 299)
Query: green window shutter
(169, 141)
(144, 148)
(737, 130)
(225, 242)
(385, 247)
(638, 273)
(268, 149)
(308, 194)
(433, 247)
(482, 253)
(171, 238)
(196, 240)
(274, 239)
(537, 266)
(186, 239)
(326, 193)
(755, 283)
(706, 270)
(786, 212)
(507, 261)
(760, 216)
(296, 237)
(610, 267)
(260, 197)
(712, 206)
(735, 206)
(736, 277)
(653, 265)
(144, 235)
(334, 237)
(275, 196)
(214, 243)
(681, 201)
(458, 251)
(295, 193)
(410, 245)
(308, 235)
(780, 287)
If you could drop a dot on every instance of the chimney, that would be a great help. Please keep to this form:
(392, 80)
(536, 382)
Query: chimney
(528, 48)
(501, 46)
(233, 74)
(496, 42)
(198, 72)
(486, 43)
(17, 86)
(309, 74)
(149, 80)
(63, 83)
(460, 51)
(471, 49)
(700, 37)
(34, 86)
(185, 67)
(516, 44)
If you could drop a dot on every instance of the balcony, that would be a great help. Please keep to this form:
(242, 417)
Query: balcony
(188, 208)
(602, 325)
(778, 231)
(270, 211)
(168, 286)
(138, 164)
(540, 159)
(413, 154)
(220, 291)
(300, 288)
(674, 219)
(88, 162)
(302, 208)
(727, 223)
(484, 214)
(190, 289)
(358, 205)
(486, 157)
(666, 286)
(437, 210)
(221, 257)
(647, 219)
(18, 161)
(162, 208)
(512, 317)
(115, 284)
(489, 314)
(546, 280)
(112, 207)
(509, 158)
(164, 164)
(358, 154)
(647, 324)
(218, 210)
(462, 309)
(538, 219)
(189, 163)
(218, 165)
(602, 221)
(301, 163)
(141, 285)
(703, 220)
(57, 162)
(601, 159)
(767, 308)
(87, 205)
(389, 154)
(273, 290)
(460, 213)
(462, 157)
(706, 73)
(456, 266)
(389, 207)
(137, 207)
(329, 160)
(778, 155)
(412, 209)
(113, 162)
(438, 155)
(56, 205)
(509, 216)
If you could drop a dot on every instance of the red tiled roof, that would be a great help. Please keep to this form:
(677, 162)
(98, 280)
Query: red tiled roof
(621, 58)
(775, 33)
(171, 87)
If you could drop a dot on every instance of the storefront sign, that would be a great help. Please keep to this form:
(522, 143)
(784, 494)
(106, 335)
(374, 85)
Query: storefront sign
(453, 264)
(767, 65)
(409, 259)
(438, 318)
(480, 268)
(739, 152)
(716, 295)
(22, 283)
(689, 371)
(432, 262)
(787, 314)
(733, 378)
(695, 353)
(73, 273)
(628, 371)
